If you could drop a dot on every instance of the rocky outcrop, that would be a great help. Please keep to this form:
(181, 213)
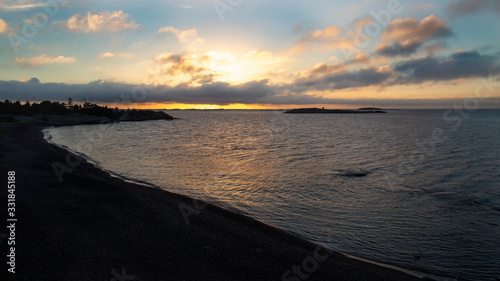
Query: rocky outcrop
(354, 173)
(144, 115)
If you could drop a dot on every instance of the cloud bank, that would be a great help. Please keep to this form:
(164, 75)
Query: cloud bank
(459, 65)
(345, 80)
(259, 92)
(320, 79)
(405, 36)
(462, 7)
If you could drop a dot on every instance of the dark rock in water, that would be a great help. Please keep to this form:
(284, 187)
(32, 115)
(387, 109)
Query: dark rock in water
(330, 111)
(144, 115)
(354, 173)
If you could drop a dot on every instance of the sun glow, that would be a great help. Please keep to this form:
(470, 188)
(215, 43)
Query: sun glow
(240, 106)
(183, 106)
(196, 69)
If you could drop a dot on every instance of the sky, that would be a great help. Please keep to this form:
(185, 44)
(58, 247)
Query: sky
(252, 54)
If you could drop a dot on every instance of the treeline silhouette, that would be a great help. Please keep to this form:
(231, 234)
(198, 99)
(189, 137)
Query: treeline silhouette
(45, 108)
(59, 108)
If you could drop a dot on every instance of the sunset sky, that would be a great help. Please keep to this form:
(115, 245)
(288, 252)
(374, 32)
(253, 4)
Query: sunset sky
(251, 53)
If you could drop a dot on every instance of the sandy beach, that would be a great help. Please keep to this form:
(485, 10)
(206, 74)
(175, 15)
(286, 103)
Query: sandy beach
(92, 226)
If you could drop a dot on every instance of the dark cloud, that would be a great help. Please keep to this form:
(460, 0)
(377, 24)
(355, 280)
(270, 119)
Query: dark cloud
(107, 92)
(462, 7)
(325, 68)
(178, 64)
(258, 92)
(344, 80)
(435, 48)
(324, 77)
(298, 27)
(361, 58)
(459, 65)
(406, 36)
(175, 64)
(397, 49)
(34, 80)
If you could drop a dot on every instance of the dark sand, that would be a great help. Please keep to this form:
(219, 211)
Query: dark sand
(96, 227)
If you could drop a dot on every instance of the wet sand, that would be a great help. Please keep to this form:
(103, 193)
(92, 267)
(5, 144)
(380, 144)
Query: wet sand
(92, 226)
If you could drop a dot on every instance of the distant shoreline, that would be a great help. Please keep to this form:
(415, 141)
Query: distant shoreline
(93, 223)
(333, 111)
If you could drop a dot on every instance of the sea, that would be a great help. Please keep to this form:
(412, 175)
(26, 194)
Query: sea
(417, 189)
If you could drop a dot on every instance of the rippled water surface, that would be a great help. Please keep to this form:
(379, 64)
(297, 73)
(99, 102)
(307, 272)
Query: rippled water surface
(430, 199)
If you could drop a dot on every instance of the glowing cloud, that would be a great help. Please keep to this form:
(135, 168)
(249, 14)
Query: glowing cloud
(44, 60)
(327, 33)
(107, 55)
(175, 69)
(405, 36)
(182, 35)
(329, 36)
(3, 26)
(22, 5)
(199, 68)
(105, 21)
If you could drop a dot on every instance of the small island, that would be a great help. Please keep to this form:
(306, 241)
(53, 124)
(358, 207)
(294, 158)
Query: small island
(370, 108)
(333, 111)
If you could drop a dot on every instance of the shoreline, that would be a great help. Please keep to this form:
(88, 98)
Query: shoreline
(96, 225)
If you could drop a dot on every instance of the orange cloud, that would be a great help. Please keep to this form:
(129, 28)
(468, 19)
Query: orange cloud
(361, 23)
(182, 35)
(405, 36)
(329, 32)
(111, 55)
(324, 36)
(334, 37)
(175, 69)
(412, 29)
(106, 55)
(44, 59)
(357, 60)
(3, 26)
(105, 21)
(199, 68)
